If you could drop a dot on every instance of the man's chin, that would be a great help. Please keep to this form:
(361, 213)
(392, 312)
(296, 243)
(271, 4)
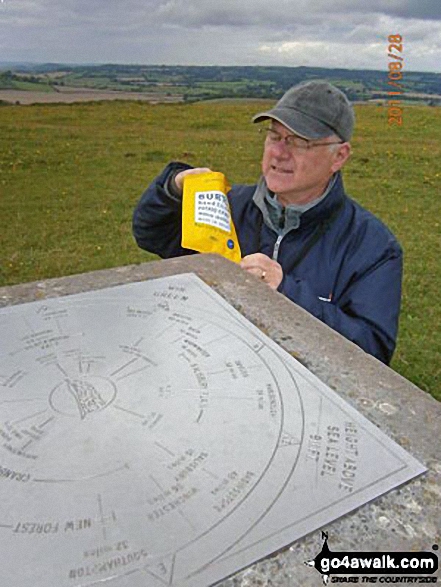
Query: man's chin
(276, 185)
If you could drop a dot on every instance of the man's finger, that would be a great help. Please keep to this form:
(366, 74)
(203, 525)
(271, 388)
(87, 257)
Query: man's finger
(179, 179)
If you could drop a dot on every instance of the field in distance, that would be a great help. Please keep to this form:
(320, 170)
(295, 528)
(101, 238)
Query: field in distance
(34, 83)
(71, 95)
(72, 174)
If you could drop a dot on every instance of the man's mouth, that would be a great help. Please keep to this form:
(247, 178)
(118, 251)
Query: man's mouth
(280, 169)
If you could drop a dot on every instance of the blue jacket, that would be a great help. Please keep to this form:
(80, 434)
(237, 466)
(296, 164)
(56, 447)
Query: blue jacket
(346, 271)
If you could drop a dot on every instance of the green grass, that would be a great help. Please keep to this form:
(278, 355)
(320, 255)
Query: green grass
(25, 85)
(33, 87)
(71, 175)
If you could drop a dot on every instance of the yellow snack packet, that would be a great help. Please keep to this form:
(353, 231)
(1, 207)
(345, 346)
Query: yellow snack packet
(207, 225)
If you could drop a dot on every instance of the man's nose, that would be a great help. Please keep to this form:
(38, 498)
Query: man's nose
(281, 149)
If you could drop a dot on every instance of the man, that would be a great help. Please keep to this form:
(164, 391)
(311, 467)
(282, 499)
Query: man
(297, 229)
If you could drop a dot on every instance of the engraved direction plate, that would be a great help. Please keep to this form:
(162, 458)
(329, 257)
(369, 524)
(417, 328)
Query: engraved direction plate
(150, 436)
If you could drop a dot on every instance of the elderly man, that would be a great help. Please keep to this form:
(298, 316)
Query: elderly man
(297, 229)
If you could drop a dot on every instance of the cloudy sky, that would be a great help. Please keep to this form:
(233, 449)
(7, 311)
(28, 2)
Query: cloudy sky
(325, 33)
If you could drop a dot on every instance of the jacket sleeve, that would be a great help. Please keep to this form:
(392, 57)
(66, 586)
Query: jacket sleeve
(368, 310)
(157, 218)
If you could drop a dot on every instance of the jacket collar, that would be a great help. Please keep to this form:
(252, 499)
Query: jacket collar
(298, 215)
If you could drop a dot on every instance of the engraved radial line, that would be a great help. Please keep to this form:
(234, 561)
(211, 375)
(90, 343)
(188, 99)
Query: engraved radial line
(156, 482)
(165, 330)
(132, 372)
(172, 570)
(164, 448)
(138, 342)
(124, 366)
(130, 412)
(46, 422)
(61, 369)
(6, 526)
(31, 416)
(218, 339)
(105, 474)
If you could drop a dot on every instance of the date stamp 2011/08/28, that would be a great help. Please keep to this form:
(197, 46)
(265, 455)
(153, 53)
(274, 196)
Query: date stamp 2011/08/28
(395, 112)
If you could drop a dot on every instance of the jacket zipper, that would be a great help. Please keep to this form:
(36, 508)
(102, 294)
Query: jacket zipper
(276, 247)
(279, 238)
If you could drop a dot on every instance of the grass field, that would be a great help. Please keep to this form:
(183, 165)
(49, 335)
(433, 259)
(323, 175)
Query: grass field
(71, 175)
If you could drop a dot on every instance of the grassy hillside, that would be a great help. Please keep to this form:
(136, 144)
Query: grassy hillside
(71, 175)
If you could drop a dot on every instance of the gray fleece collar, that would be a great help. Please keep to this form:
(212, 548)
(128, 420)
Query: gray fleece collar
(273, 211)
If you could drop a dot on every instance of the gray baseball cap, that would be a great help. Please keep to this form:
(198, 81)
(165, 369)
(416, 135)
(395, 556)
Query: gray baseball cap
(313, 110)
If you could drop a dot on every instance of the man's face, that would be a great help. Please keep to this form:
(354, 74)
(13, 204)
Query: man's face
(300, 175)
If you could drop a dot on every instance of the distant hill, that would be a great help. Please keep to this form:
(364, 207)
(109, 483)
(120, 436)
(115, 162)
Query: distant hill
(191, 83)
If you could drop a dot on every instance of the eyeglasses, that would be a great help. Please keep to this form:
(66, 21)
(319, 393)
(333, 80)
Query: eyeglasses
(293, 142)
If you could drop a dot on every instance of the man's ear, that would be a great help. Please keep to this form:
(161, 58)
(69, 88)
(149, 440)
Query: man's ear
(341, 156)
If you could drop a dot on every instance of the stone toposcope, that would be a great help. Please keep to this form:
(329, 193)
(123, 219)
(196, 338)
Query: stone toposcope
(151, 435)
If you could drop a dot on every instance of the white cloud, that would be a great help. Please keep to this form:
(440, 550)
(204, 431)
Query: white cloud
(313, 53)
(360, 45)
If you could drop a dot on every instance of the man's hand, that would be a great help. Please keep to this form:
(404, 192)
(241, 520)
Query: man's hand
(264, 268)
(179, 178)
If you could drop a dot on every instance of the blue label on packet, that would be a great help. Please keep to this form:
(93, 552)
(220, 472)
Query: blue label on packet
(230, 244)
